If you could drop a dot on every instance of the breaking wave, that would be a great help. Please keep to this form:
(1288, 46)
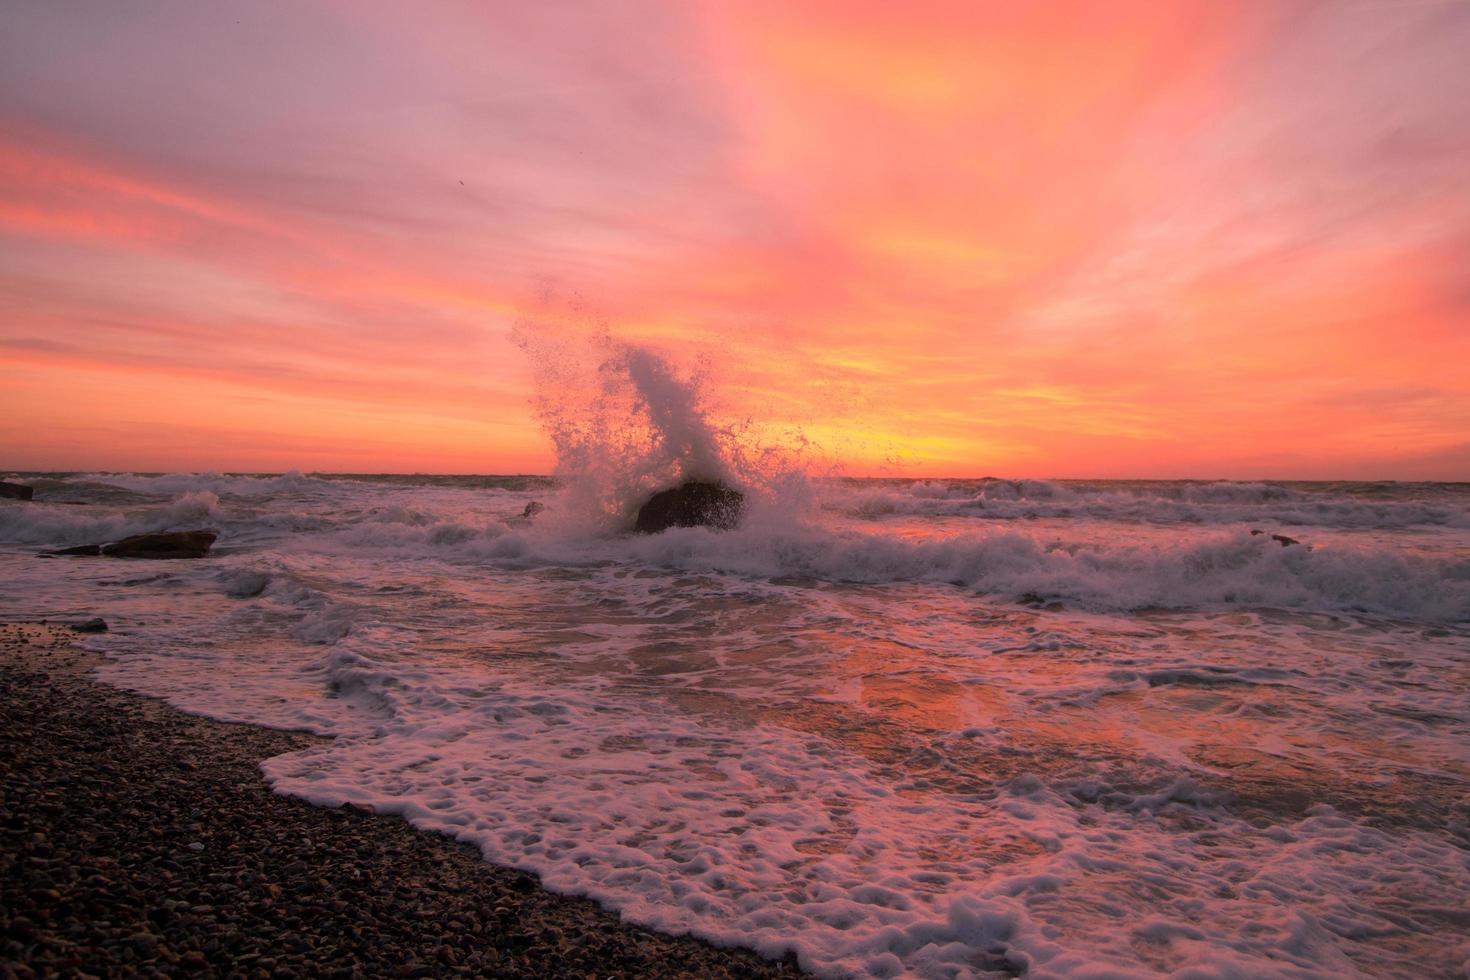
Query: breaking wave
(1205, 568)
(624, 422)
(1233, 569)
(1331, 505)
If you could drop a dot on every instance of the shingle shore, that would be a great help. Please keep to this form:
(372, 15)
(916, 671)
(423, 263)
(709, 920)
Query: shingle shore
(138, 840)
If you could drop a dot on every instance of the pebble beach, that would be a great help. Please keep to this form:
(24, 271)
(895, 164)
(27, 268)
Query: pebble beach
(139, 840)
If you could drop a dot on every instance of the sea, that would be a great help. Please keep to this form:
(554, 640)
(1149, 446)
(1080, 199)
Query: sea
(937, 728)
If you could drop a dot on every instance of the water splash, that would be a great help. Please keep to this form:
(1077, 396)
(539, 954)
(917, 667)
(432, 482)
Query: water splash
(624, 423)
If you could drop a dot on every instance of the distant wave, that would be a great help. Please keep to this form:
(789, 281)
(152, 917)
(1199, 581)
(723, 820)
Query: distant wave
(1186, 503)
(218, 483)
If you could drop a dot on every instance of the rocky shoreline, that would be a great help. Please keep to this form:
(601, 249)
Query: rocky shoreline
(138, 840)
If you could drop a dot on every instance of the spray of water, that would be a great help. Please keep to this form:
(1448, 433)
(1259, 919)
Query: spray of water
(625, 423)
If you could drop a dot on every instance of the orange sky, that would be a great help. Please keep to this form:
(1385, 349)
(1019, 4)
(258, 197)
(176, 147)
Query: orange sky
(1147, 239)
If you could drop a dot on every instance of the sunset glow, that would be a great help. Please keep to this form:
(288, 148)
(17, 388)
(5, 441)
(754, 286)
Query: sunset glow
(1067, 239)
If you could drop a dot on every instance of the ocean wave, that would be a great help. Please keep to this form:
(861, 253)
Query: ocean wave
(1153, 503)
(1224, 569)
(1075, 563)
(1200, 570)
(238, 485)
(64, 525)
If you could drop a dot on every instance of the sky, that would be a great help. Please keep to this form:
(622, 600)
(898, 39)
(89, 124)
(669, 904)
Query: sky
(1132, 239)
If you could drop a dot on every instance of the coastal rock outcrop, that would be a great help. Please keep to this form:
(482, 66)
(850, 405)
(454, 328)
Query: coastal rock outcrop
(163, 544)
(167, 544)
(691, 504)
(16, 491)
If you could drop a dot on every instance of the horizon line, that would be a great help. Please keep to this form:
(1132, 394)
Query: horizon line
(838, 476)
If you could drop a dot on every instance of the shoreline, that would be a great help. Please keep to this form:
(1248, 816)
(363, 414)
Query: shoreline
(140, 839)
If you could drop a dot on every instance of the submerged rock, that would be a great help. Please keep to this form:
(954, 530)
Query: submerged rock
(81, 549)
(525, 517)
(16, 491)
(692, 504)
(164, 544)
(1283, 539)
(167, 544)
(94, 625)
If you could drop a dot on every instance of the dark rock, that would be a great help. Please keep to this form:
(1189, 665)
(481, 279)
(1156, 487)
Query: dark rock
(533, 508)
(693, 504)
(1285, 541)
(94, 625)
(16, 491)
(167, 544)
(170, 544)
